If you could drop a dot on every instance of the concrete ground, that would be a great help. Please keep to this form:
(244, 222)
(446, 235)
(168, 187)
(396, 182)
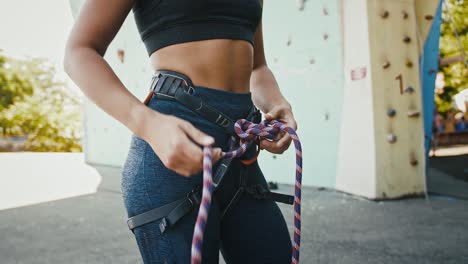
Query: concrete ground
(337, 228)
(448, 174)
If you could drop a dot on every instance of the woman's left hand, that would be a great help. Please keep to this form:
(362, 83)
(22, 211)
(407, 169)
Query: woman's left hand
(282, 113)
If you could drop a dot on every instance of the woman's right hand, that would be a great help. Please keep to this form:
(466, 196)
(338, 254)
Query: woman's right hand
(177, 143)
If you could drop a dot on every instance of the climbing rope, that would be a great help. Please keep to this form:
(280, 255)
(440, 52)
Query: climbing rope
(248, 133)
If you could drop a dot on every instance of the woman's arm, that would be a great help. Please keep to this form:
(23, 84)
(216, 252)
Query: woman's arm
(92, 32)
(267, 96)
(84, 63)
(264, 88)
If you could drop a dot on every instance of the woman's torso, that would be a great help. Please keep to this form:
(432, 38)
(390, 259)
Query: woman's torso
(210, 41)
(217, 63)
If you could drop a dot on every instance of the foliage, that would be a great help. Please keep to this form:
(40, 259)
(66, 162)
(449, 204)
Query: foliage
(34, 104)
(455, 15)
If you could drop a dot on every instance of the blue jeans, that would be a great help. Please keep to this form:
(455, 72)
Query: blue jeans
(251, 231)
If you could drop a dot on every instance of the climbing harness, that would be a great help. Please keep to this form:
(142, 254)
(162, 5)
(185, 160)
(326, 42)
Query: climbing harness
(171, 85)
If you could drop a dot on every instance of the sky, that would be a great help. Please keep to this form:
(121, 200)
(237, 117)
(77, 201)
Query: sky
(36, 29)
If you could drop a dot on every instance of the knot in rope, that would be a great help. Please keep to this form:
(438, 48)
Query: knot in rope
(247, 132)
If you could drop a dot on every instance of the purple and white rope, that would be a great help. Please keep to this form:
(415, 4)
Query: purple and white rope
(248, 132)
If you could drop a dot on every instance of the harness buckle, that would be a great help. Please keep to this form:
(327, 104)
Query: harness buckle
(257, 115)
(192, 196)
(257, 191)
(163, 225)
(188, 85)
(190, 90)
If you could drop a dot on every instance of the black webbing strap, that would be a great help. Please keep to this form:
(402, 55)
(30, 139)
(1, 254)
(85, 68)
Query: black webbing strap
(260, 192)
(153, 214)
(192, 200)
(257, 191)
(172, 86)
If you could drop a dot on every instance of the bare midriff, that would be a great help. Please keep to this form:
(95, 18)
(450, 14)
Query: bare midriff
(222, 64)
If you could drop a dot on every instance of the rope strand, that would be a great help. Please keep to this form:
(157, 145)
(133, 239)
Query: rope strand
(248, 132)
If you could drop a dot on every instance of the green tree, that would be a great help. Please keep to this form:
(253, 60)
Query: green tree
(455, 21)
(34, 104)
(12, 86)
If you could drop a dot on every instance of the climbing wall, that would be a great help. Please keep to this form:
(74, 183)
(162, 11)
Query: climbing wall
(351, 70)
(303, 49)
(356, 162)
(390, 158)
(397, 98)
(303, 44)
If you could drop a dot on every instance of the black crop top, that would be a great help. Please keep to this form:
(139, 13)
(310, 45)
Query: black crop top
(165, 22)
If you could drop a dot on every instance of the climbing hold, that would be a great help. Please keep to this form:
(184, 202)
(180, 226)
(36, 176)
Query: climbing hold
(413, 113)
(391, 112)
(407, 39)
(288, 43)
(301, 4)
(312, 61)
(325, 36)
(325, 11)
(405, 14)
(409, 90)
(386, 65)
(432, 71)
(429, 17)
(409, 63)
(391, 138)
(121, 55)
(413, 162)
(275, 59)
(384, 14)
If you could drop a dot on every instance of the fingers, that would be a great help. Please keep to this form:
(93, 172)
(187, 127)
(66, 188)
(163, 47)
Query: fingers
(276, 147)
(273, 114)
(191, 155)
(283, 115)
(190, 160)
(196, 135)
(186, 157)
(216, 154)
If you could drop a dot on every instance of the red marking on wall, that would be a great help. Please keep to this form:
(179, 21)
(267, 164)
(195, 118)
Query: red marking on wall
(400, 78)
(358, 73)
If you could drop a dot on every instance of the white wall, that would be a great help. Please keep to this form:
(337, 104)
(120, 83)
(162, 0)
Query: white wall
(356, 154)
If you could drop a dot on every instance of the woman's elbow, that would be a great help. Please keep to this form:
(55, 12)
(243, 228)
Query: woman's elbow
(74, 53)
(69, 57)
(67, 60)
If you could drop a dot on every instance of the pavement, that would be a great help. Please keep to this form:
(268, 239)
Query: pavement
(448, 172)
(336, 228)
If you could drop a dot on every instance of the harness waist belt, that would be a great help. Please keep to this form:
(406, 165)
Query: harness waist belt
(173, 86)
